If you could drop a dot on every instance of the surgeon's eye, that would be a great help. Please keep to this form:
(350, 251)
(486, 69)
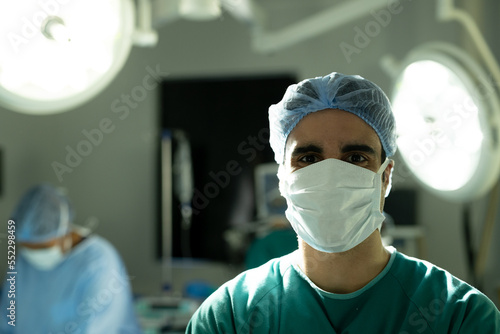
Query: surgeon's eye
(310, 159)
(356, 158)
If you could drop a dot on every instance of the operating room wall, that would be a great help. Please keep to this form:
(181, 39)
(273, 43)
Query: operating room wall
(113, 186)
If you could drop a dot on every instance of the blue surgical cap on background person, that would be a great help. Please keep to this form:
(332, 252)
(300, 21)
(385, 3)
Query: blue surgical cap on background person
(350, 93)
(42, 214)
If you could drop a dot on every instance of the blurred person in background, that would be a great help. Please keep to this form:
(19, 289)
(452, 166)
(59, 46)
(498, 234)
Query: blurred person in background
(68, 280)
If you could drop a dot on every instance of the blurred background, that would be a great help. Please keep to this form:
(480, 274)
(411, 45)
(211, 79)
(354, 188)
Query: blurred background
(167, 157)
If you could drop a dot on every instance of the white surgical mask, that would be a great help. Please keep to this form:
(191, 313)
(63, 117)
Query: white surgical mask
(44, 258)
(47, 258)
(333, 205)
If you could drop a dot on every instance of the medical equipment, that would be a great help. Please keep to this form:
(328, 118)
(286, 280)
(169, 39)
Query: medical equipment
(58, 54)
(446, 109)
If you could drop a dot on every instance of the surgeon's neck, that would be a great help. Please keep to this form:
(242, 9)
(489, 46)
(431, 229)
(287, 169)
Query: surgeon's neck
(344, 272)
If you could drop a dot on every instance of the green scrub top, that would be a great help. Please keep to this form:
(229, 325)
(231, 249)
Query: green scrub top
(275, 244)
(408, 296)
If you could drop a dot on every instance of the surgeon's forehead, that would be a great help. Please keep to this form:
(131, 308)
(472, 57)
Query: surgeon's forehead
(332, 128)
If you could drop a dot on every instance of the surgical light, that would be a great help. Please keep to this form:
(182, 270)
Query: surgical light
(58, 54)
(447, 114)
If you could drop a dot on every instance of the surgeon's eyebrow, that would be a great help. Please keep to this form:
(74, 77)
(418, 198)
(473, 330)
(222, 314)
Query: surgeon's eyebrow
(359, 148)
(306, 149)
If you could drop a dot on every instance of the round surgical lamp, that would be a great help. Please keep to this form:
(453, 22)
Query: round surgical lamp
(447, 115)
(56, 55)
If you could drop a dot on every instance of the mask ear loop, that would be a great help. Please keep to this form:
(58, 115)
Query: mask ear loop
(281, 174)
(63, 225)
(67, 243)
(383, 166)
(382, 170)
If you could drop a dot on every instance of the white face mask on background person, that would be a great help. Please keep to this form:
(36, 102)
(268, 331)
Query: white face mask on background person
(333, 205)
(47, 258)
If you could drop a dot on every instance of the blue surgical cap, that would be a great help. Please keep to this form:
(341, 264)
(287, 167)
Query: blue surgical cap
(350, 93)
(42, 214)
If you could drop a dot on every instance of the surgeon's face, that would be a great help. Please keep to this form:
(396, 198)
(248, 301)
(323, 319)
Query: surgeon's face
(337, 134)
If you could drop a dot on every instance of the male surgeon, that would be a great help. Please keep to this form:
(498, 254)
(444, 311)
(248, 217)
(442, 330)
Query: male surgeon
(332, 137)
(66, 281)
